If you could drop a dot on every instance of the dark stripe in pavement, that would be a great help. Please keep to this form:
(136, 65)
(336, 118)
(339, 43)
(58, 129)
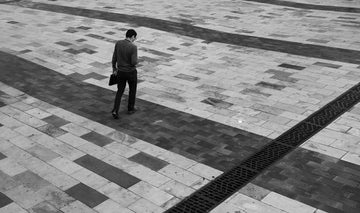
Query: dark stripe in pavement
(295, 48)
(107, 171)
(86, 195)
(97, 139)
(202, 140)
(218, 190)
(309, 6)
(318, 180)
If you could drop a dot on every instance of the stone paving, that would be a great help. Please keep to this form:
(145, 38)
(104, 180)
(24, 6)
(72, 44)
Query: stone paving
(56, 156)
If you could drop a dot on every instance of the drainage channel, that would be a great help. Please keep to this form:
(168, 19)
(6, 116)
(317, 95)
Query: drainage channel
(218, 190)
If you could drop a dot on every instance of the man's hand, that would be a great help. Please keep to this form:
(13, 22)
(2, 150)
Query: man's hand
(115, 72)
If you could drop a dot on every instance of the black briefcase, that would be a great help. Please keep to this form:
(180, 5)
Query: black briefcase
(113, 79)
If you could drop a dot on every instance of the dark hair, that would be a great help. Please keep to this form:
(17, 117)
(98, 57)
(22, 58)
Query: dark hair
(131, 33)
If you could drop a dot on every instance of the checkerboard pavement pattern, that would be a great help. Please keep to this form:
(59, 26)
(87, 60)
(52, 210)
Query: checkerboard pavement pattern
(72, 164)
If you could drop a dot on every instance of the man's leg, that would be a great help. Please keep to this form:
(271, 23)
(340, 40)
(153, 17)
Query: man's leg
(121, 87)
(132, 93)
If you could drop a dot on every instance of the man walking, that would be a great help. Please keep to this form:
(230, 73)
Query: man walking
(124, 62)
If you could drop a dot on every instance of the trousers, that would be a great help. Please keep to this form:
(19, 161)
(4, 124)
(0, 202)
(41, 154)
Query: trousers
(131, 79)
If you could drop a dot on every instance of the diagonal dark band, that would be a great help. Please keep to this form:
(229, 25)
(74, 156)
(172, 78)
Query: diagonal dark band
(295, 48)
(217, 191)
(309, 6)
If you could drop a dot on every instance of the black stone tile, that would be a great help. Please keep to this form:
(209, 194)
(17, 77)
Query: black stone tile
(173, 48)
(97, 138)
(270, 85)
(149, 161)
(327, 65)
(84, 28)
(107, 171)
(86, 195)
(2, 156)
(4, 200)
(56, 121)
(88, 51)
(2, 104)
(290, 66)
(81, 40)
(63, 43)
(217, 103)
(187, 77)
(72, 51)
(12, 22)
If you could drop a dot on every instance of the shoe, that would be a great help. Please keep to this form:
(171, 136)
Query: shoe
(115, 115)
(130, 112)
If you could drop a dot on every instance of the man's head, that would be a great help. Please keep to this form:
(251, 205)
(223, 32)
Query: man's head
(131, 35)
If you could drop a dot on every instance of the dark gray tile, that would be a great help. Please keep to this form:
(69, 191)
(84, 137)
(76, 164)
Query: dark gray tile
(97, 138)
(291, 66)
(149, 161)
(187, 77)
(217, 103)
(4, 200)
(56, 121)
(323, 64)
(2, 156)
(51, 130)
(270, 85)
(86, 195)
(107, 171)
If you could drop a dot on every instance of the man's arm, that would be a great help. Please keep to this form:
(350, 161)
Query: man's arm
(134, 57)
(114, 59)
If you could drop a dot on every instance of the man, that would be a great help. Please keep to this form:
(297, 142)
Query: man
(124, 62)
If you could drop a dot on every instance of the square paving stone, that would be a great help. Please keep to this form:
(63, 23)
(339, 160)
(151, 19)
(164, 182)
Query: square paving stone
(97, 139)
(4, 200)
(149, 161)
(55, 120)
(86, 195)
(107, 171)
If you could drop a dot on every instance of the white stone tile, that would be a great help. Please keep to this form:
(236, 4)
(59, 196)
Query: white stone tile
(109, 206)
(148, 175)
(287, 204)
(6, 133)
(109, 188)
(326, 150)
(89, 178)
(94, 150)
(72, 140)
(10, 122)
(38, 113)
(22, 142)
(121, 149)
(10, 167)
(12, 208)
(124, 197)
(352, 158)
(149, 192)
(144, 206)
(205, 171)
(65, 165)
(176, 159)
(75, 129)
(177, 189)
(77, 207)
(96, 127)
(179, 174)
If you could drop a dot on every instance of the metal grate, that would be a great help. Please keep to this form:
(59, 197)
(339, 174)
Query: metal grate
(215, 192)
(267, 156)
